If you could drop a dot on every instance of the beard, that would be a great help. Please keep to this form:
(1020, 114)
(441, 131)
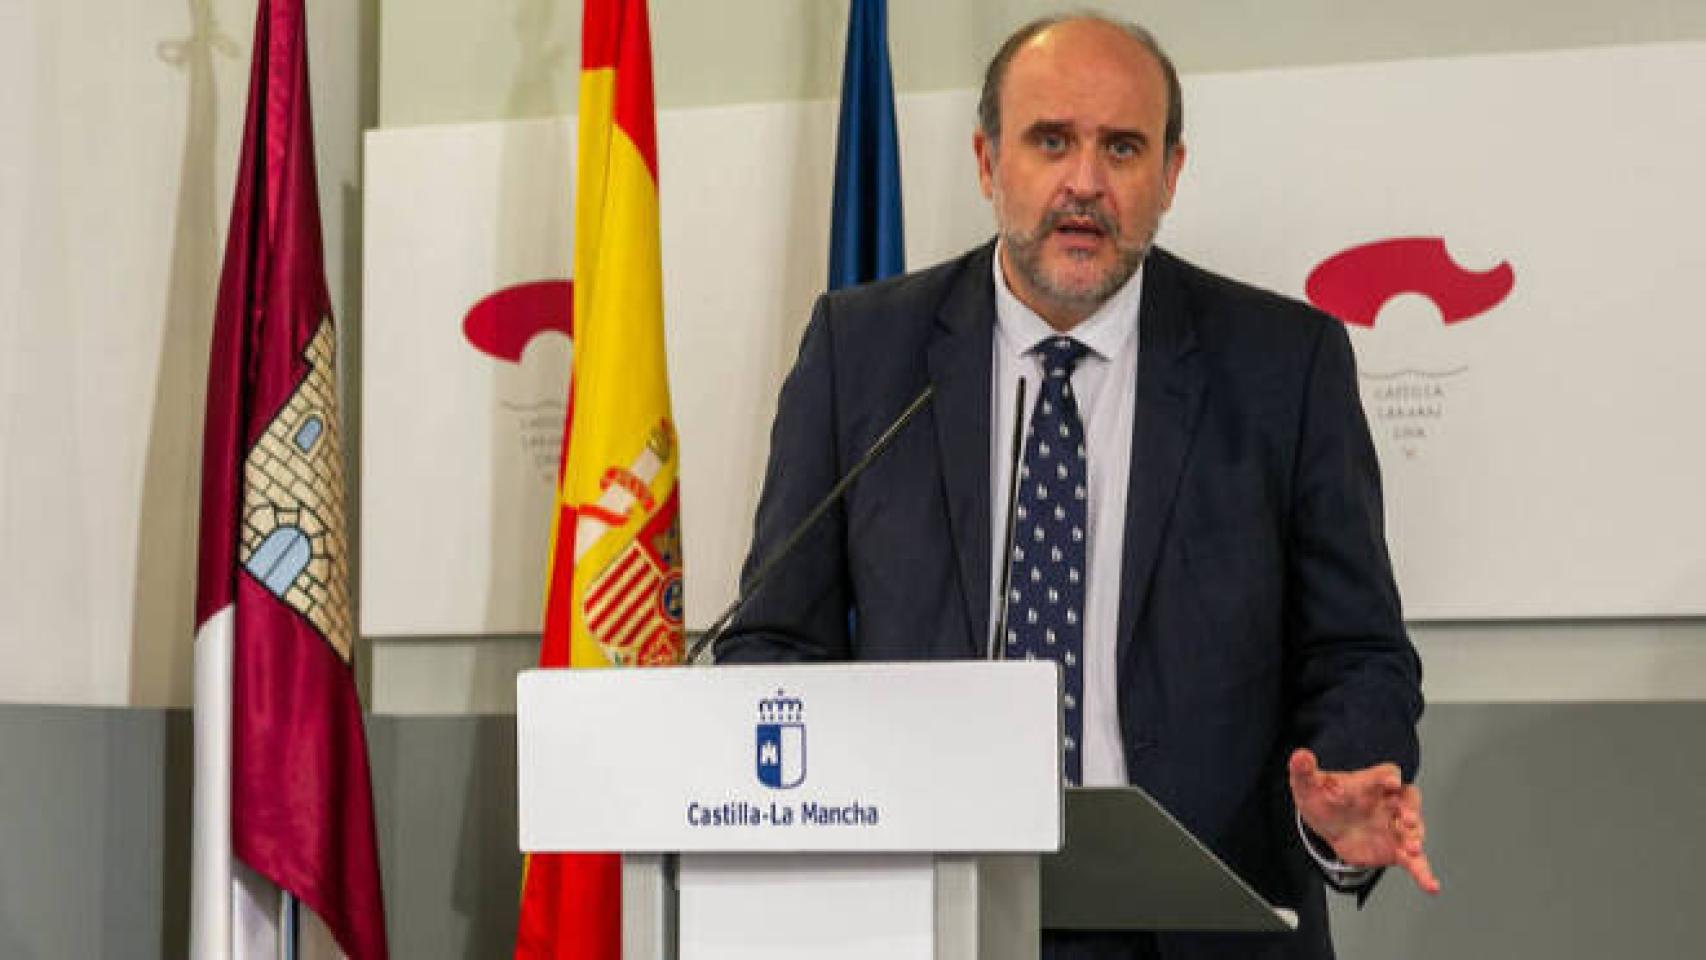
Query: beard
(1025, 251)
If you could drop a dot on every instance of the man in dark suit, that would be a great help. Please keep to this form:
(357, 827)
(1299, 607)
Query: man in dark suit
(1200, 537)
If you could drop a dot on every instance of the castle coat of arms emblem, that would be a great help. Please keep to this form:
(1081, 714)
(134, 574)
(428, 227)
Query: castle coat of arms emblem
(781, 741)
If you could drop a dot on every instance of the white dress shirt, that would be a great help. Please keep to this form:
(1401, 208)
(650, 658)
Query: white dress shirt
(1105, 383)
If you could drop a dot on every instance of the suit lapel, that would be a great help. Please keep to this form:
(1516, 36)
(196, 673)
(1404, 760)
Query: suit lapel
(959, 360)
(1169, 399)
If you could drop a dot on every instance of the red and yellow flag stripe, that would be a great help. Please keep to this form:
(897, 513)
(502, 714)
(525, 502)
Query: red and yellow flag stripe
(614, 593)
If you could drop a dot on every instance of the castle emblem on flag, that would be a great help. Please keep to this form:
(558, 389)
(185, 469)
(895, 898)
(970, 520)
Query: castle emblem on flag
(781, 757)
(293, 538)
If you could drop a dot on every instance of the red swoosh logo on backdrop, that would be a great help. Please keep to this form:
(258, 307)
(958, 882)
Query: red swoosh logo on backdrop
(503, 323)
(1354, 284)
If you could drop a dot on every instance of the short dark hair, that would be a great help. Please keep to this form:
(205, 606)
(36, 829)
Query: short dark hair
(989, 101)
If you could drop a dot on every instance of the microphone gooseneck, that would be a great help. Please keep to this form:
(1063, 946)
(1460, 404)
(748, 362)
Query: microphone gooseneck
(997, 640)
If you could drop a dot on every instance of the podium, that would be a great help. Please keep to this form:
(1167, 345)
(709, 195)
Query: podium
(911, 811)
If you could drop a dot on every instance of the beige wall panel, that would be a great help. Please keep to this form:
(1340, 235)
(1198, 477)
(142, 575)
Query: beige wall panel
(457, 60)
(120, 134)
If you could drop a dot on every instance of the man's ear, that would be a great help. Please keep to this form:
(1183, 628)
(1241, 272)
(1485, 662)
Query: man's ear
(984, 149)
(1170, 169)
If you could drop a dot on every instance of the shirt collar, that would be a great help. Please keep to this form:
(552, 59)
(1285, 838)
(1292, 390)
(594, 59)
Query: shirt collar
(1019, 329)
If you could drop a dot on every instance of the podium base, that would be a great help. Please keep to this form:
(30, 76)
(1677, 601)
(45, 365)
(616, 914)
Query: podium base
(759, 906)
(987, 907)
(828, 907)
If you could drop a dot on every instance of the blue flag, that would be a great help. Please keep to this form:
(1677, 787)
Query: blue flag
(865, 236)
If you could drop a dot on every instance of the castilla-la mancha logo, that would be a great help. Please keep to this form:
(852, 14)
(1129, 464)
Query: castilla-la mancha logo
(1409, 371)
(502, 325)
(781, 757)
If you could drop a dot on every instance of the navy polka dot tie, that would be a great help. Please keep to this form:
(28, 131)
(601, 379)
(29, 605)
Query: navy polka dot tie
(1045, 611)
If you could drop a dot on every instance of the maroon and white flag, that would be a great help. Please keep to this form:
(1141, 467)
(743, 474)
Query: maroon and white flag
(283, 800)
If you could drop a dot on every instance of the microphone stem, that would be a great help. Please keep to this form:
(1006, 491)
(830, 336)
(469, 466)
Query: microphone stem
(998, 641)
(714, 633)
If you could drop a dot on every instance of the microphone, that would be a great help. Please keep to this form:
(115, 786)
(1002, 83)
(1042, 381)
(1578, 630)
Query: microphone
(998, 640)
(709, 638)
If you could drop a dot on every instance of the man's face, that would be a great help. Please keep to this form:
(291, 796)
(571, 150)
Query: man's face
(1081, 175)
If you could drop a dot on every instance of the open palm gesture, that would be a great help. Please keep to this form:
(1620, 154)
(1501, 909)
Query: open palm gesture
(1369, 816)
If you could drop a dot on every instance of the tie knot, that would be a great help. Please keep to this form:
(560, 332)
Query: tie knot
(1061, 355)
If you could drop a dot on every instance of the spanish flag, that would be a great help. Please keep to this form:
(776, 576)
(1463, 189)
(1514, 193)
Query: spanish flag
(614, 593)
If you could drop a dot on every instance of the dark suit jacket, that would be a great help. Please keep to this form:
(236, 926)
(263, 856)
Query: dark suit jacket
(1257, 608)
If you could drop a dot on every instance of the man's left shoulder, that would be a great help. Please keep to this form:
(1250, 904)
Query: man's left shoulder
(1231, 313)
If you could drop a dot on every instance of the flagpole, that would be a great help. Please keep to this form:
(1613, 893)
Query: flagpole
(289, 940)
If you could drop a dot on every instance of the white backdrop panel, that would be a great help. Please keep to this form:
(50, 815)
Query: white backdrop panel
(1544, 458)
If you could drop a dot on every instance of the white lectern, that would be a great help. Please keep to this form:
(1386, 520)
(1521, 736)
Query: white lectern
(849, 811)
(819, 811)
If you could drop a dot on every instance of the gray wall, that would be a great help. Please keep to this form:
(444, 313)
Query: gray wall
(94, 832)
(1560, 831)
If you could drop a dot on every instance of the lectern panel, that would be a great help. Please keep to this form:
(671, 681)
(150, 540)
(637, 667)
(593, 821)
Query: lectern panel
(956, 757)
